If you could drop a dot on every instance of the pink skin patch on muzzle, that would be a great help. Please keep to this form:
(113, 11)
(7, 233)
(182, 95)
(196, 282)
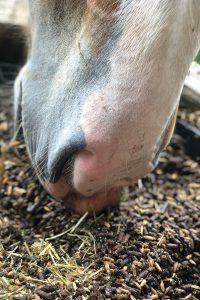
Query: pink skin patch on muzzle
(81, 204)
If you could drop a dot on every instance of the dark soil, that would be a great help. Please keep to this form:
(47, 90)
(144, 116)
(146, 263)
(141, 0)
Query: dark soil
(148, 248)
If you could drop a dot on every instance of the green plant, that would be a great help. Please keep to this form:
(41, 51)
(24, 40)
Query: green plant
(198, 58)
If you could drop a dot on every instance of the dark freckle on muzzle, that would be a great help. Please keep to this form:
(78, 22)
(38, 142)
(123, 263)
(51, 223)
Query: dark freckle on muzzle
(61, 161)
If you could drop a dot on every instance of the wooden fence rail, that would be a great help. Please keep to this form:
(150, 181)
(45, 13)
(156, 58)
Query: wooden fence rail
(14, 12)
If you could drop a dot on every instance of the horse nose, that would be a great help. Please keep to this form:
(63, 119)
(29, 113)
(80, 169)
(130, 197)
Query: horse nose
(93, 165)
(63, 155)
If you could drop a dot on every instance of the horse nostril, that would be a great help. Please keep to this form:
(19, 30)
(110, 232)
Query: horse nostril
(64, 155)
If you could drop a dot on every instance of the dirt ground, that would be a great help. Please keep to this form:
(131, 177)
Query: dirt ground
(147, 248)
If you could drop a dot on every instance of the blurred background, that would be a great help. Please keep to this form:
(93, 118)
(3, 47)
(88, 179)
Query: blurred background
(13, 30)
(198, 58)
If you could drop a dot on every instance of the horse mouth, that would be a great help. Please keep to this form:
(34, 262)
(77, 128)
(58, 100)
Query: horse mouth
(81, 204)
(93, 204)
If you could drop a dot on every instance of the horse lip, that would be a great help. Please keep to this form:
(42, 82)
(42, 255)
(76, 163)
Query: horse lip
(80, 203)
(58, 190)
(93, 204)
